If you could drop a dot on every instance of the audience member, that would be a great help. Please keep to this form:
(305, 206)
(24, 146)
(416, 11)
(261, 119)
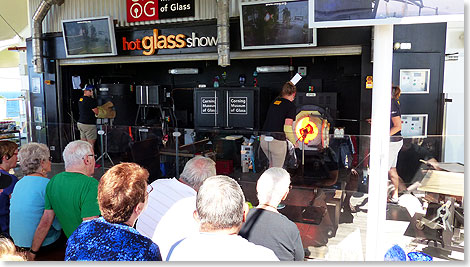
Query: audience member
(220, 211)
(265, 226)
(344, 152)
(177, 223)
(414, 159)
(167, 192)
(122, 197)
(5, 181)
(9, 157)
(8, 251)
(27, 201)
(70, 195)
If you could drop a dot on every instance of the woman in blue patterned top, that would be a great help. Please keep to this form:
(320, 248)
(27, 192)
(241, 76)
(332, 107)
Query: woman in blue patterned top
(122, 196)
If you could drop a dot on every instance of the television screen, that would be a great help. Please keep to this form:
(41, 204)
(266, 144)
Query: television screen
(273, 24)
(326, 10)
(349, 13)
(89, 37)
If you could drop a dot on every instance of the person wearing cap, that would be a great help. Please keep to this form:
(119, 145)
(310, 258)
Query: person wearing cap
(9, 157)
(88, 109)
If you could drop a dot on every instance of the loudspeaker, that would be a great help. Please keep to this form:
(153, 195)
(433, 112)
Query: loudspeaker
(122, 98)
(150, 94)
(146, 153)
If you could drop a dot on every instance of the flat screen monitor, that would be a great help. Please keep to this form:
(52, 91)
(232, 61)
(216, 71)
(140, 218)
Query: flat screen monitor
(89, 37)
(275, 24)
(349, 13)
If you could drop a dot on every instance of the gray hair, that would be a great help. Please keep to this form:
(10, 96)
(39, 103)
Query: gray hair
(31, 155)
(219, 203)
(272, 185)
(75, 151)
(197, 170)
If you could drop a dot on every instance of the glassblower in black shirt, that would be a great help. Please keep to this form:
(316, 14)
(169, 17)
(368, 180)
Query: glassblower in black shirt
(396, 142)
(278, 124)
(88, 109)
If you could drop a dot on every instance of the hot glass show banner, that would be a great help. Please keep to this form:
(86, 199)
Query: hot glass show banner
(347, 13)
(144, 10)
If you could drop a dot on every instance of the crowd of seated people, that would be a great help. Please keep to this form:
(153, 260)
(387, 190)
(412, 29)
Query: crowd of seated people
(169, 217)
(71, 196)
(121, 217)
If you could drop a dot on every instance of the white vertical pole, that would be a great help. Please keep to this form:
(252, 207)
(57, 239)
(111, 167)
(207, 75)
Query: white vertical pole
(379, 143)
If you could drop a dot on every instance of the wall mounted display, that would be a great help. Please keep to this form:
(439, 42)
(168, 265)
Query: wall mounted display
(414, 125)
(38, 114)
(89, 37)
(414, 81)
(275, 24)
(347, 13)
(36, 85)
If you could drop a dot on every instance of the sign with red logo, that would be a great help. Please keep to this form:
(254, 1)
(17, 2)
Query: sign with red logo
(144, 10)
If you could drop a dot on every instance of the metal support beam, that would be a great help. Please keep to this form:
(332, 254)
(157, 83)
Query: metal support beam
(223, 34)
(379, 143)
(272, 53)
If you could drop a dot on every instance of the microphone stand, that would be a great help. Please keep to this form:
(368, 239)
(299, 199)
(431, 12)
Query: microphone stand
(105, 152)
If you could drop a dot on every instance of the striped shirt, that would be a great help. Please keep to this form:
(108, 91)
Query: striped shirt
(165, 193)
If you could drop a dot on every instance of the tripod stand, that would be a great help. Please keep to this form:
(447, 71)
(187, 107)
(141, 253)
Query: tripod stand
(105, 151)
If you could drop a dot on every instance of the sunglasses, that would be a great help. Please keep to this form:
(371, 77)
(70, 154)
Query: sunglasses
(149, 188)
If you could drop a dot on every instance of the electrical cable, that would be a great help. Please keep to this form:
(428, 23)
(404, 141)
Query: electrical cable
(21, 37)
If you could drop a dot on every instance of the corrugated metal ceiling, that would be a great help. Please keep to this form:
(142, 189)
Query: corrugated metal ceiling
(73, 9)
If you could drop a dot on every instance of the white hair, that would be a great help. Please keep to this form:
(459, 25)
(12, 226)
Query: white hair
(31, 155)
(197, 170)
(75, 151)
(219, 203)
(272, 185)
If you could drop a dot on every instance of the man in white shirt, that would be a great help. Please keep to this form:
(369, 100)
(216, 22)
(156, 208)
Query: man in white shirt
(166, 192)
(220, 212)
(176, 224)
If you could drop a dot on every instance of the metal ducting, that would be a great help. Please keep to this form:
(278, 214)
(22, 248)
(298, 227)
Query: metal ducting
(223, 44)
(36, 36)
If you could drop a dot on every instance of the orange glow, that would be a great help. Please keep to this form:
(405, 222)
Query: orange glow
(305, 125)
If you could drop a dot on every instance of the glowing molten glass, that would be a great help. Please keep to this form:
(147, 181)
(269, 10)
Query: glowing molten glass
(306, 128)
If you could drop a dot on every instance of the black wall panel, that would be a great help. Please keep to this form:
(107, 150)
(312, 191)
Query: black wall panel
(341, 75)
(424, 38)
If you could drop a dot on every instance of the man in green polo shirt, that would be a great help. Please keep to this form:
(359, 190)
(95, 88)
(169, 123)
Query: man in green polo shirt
(70, 195)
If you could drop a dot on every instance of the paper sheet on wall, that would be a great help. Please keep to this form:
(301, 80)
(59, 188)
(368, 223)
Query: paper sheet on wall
(76, 81)
(296, 78)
